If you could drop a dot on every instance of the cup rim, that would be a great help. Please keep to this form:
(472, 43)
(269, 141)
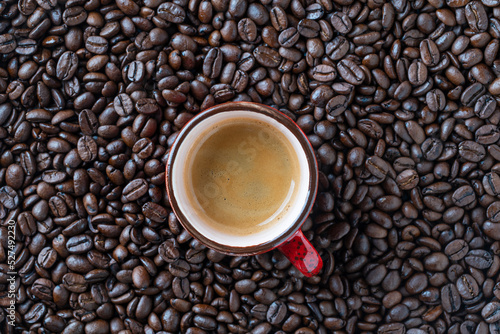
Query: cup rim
(311, 162)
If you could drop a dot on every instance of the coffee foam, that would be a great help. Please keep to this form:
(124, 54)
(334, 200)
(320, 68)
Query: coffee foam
(243, 175)
(179, 173)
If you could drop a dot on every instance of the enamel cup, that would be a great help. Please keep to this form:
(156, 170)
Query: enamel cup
(284, 235)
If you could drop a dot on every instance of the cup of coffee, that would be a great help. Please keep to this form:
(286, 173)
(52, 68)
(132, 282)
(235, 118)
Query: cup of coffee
(242, 178)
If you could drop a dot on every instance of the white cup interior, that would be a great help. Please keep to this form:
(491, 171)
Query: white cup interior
(179, 174)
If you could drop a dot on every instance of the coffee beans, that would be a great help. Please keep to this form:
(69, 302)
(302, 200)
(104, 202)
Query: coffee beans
(171, 12)
(324, 73)
(123, 105)
(471, 151)
(479, 259)
(336, 105)
(278, 18)
(490, 312)
(135, 189)
(87, 148)
(74, 282)
(350, 72)
(399, 100)
(417, 73)
(213, 63)
(429, 52)
(457, 249)
(7, 43)
(467, 287)
(463, 196)
(96, 44)
(79, 244)
(67, 66)
(267, 56)
(476, 16)
(407, 179)
(451, 299)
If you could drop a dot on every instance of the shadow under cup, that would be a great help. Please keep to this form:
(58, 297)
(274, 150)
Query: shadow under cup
(188, 213)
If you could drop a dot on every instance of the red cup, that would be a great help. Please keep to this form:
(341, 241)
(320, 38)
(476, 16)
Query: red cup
(286, 234)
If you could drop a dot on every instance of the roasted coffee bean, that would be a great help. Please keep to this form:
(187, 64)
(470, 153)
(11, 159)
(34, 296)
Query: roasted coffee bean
(87, 148)
(377, 167)
(96, 44)
(491, 312)
(205, 322)
(370, 128)
(457, 249)
(9, 197)
(247, 29)
(392, 328)
(67, 66)
(341, 22)
(278, 18)
(179, 268)
(435, 100)
(47, 4)
(276, 313)
(135, 189)
(79, 244)
(288, 37)
(450, 298)
(245, 286)
(35, 313)
(168, 251)
(147, 106)
(407, 179)
(267, 56)
(337, 48)
(479, 259)
(14, 176)
(171, 12)
(432, 148)
(308, 28)
(350, 72)
(464, 196)
(336, 105)
(485, 106)
(47, 257)
(140, 278)
(74, 282)
(213, 63)
(476, 16)
(26, 47)
(491, 183)
(88, 122)
(123, 104)
(487, 134)
(42, 288)
(74, 16)
(7, 43)
(429, 52)
(135, 71)
(467, 287)
(324, 73)
(417, 73)
(27, 224)
(471, 151)
(472, 94)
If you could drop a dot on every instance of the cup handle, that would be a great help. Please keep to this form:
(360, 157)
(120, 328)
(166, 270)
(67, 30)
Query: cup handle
(302, 254)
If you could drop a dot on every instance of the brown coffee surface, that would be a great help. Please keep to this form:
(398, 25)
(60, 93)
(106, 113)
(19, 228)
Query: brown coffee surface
(243, 176)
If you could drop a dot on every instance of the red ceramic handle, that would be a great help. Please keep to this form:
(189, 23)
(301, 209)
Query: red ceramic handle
(302, 254)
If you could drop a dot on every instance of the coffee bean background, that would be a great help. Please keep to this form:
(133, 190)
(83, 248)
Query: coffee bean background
(399, 99)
